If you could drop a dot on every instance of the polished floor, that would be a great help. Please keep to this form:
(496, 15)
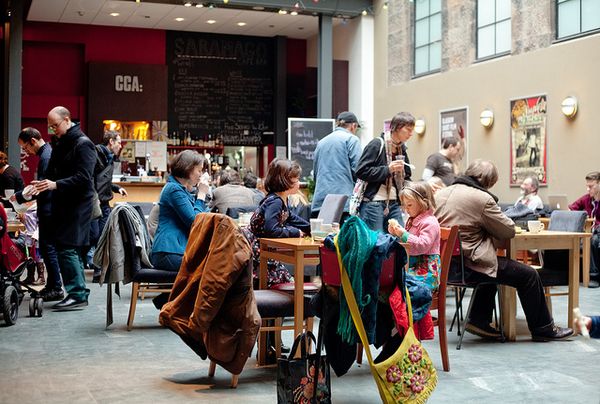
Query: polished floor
(69, 357)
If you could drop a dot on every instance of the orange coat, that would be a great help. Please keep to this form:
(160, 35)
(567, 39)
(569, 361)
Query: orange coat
(212, 305)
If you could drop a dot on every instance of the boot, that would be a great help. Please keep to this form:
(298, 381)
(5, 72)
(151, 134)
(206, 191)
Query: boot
(41, 268)
(30, 280)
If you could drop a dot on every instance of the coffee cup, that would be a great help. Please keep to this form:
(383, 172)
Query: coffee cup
(535, 226)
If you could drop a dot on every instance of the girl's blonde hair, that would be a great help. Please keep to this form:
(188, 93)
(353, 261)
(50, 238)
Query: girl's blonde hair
(420, 192)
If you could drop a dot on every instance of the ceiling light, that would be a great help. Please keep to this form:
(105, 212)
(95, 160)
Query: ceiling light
(210, 21)
(241, 24)
(569, 106)
(420, 126)
(179, 19)
(282, 12)
(294, 12)
(364, 12)
(297, 5)
(199, 5)
(115, 14)
(138, 1)
(385, 5)
(225, 1)
(487, 118)
(188, 4)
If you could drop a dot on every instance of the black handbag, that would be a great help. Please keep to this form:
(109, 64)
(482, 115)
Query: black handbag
(295, 376)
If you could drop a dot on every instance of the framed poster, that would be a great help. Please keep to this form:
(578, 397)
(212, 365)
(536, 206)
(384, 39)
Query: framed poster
(453, 123)
(528, 139)
(303, 136)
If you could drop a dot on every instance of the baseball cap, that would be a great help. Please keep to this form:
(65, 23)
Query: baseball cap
(347, 117)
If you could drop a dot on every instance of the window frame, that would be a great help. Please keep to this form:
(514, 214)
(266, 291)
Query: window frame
(572, 36)
(495, 22)
(428, 43)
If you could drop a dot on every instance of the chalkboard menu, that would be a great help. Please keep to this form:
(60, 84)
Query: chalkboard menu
(221, 85)
(303, 136)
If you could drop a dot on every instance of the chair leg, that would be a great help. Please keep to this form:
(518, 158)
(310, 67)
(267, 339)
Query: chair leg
(466, 319)
(499, 323)
(443, 339)
(134, 295)
(234, 381)
(548, 298)
(359, 353)
(211, 369)
(262, 346)
(278, 323)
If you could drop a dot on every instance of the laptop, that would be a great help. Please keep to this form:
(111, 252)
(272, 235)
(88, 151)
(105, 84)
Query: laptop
(558, 202)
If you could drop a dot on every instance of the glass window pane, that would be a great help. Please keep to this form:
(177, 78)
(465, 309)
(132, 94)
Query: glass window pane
(485, 42)
(422, 60)
(568, 18)
(485, 12)
(503, 39)
(435, 6)
(435, 27)
(421, 9)
(422, 32)
(435, 56)
(502, 9)
(590, 12)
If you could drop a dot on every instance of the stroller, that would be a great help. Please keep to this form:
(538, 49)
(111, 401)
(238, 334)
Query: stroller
(13, 263)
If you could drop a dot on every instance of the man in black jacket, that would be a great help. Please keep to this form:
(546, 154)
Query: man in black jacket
(70, 174)
(32, 143)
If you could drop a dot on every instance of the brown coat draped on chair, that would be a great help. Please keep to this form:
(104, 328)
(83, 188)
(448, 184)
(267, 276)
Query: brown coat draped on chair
(212, 305)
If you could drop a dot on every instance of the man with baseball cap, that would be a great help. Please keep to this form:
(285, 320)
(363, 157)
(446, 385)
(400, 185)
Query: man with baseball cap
(336, 158)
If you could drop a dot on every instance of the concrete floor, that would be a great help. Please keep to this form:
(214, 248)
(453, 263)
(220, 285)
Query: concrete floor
(69, 357)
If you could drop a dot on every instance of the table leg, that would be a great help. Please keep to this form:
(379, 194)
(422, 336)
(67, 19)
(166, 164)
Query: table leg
(299, 293)
(262, 271)
(573, 279)
(509, 302)
(262, 336)
(586, 262)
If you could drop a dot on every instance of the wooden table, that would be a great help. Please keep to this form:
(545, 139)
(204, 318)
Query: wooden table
(13, 227)
(297, 252)
(545, 240)
(585, 270)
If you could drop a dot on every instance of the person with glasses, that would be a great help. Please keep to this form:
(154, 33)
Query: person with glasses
(70, 178)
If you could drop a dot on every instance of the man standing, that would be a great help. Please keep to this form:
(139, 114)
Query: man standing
(32, 143)
(69, 176)
(441, 164)
(336, 158)
(592, 206)
(469, 204)
(529, 196)
(103, 174)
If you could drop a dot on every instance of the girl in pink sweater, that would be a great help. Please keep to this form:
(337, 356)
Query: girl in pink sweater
(422, 233)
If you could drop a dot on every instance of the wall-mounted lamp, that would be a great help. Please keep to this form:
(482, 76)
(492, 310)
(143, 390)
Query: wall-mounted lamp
(487, 118)
(420, 126)
(569, 107)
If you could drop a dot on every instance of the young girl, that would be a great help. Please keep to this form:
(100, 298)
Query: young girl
(422, 232)
(273, 218)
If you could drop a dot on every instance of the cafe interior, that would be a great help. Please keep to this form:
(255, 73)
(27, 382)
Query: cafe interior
(515, 82)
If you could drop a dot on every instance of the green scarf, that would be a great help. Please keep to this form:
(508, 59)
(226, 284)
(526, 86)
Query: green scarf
(356, 242)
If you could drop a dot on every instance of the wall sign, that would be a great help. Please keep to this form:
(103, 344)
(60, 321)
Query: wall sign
(303, 136)
(453, 123)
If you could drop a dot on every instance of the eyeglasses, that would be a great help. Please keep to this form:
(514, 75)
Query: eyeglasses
(55, 126)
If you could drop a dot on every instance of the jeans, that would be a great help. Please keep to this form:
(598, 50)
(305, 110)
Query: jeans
(70, 260)
(512, 273)
(96, 228)
(372, 214)
(48, 253)
(166, 261)
(595, 255)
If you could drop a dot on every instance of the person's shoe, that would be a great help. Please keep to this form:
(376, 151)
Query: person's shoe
(160, 300)
(483, 330)
(593, 284)
(551, 332)
(97, 274)
(52, 295)
(285, 349)
(70, 303)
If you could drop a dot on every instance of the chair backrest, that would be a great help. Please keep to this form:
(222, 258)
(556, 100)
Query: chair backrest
(567, 220)
(332, 208)
(234, 211)
(152, 222)
(448, 240)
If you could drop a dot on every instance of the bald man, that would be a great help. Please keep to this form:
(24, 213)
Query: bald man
(69, 177)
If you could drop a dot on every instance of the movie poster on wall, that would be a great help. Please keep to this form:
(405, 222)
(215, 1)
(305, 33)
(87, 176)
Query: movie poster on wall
(528, 139)
(453, 123)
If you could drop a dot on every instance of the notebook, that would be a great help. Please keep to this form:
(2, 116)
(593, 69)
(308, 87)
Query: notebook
(558, 202)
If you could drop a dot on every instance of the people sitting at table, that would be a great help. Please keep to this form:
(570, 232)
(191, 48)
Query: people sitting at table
(10, 180)
(422, 233)
(273, 219)
(251, 182)
(590, 204)
(469, 204)
(181, 199)
(230, 193)
(529, 196)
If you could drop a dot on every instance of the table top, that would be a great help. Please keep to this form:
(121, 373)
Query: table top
(296, 243)
(551, 233)
(15, 226)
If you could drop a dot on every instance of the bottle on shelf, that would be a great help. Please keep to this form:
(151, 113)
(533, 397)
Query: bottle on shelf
(188, 140)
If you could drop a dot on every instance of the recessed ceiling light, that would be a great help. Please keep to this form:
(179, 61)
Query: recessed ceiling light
(115, 14)
(294, 12)
(282, 11)
(199, 5)
(241, 24)
(258, 8)
(210, 21)
(188, 4)
(179, 19)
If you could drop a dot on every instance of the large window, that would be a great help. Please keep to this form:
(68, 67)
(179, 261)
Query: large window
(577, 16)
(493, 27)
(428, 36)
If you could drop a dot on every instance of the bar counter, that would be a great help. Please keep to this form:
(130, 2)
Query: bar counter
(139, 192)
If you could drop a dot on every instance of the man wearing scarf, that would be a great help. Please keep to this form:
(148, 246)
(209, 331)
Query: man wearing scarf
(469, 204)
